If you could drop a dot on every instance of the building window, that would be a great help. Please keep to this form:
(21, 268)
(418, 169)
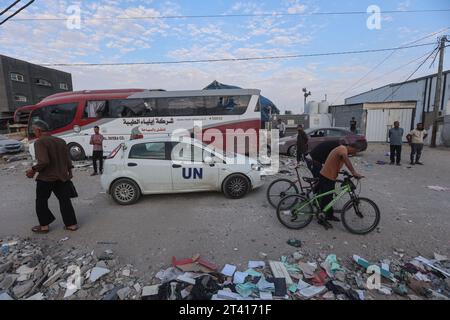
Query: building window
(17, 77)
(43, 82)
(20, 98)
(63, 86)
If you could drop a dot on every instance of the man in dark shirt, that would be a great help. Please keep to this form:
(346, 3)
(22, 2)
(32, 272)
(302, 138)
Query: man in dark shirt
(54, 169)
(353, 125)
(302, 144)
(319, 155)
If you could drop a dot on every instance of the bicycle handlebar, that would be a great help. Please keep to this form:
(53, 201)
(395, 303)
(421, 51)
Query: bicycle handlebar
(345, 173)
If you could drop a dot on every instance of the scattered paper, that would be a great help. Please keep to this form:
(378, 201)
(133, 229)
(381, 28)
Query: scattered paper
(239, 277)
(256, 264)
(439, 257)
(312, 291)
(438, 188)
(228, 270)
(265, 296)
(431, 265)
(150, 290)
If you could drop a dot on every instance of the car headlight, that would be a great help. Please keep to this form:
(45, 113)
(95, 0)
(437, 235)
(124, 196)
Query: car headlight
(282, 143)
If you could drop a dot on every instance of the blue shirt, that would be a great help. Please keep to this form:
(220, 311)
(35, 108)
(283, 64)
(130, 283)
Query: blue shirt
(396, 136)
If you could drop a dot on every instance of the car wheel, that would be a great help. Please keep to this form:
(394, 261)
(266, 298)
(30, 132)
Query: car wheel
(236, 186)
(292, 151)
(125, 192)
(76, 152)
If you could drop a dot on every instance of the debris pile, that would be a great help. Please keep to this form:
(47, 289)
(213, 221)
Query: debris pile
(28, 271)
(32, 272)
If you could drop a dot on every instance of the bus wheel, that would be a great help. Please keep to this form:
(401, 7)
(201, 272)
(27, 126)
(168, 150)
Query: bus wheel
(76, 152)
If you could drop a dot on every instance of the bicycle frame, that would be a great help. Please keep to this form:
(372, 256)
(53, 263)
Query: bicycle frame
(315, 200)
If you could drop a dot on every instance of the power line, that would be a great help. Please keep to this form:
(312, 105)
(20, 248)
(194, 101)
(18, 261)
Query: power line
(274, 14)
(385, 59)
(17, 12)
(234, 59)
(9, 7)
(410, 76)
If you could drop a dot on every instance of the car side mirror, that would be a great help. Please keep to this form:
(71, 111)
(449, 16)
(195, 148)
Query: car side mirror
(209, 160)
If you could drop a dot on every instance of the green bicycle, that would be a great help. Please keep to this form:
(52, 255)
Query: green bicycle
(359, 215)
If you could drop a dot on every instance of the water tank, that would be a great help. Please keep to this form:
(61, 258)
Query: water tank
(323, 107)
(313, 107)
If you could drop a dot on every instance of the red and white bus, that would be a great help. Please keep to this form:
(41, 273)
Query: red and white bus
(137, 113)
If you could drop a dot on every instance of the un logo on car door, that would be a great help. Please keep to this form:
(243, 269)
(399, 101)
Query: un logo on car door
(192, 173)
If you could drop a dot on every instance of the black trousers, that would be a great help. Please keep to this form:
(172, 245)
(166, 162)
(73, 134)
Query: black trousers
(61, 190)
(396, 154)
(326, 185)
(97, 155)
(416, 150)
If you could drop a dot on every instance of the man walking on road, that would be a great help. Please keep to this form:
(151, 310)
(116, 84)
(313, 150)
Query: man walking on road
(329, 173)
(302, 143)
(416, 138)
(353, 125)
(54, 169)
(282, 128)
(97, 153)
(395, 140)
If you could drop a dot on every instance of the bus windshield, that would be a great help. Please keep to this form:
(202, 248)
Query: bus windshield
(56, 116)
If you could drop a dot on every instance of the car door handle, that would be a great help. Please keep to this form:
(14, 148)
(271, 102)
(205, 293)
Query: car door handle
(132, 164)
(176, 166)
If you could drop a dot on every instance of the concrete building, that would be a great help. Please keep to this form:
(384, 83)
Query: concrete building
(23, 83)
(375, 119)
(421, 90)
(375, 110)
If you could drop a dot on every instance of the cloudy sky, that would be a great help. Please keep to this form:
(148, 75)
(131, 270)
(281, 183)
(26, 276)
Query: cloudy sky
(102, 38)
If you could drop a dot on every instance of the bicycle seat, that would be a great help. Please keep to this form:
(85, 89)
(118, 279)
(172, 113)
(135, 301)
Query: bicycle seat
(310, 180)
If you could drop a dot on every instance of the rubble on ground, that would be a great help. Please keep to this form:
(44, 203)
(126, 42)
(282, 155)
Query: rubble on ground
(32, 272)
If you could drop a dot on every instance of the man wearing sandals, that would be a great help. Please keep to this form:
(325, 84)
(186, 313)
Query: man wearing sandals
(54, 169)
(329, 173)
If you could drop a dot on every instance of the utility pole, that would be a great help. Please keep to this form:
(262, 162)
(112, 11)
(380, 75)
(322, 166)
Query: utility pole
(306, 95)
(437, 95)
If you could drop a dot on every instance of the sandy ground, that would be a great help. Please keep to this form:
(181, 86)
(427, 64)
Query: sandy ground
(149, 233)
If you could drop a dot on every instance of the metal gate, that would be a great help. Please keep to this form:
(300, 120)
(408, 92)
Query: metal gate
(379, 121)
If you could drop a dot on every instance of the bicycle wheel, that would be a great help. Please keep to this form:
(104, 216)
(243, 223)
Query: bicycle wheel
(360, 216)
(279, 189)
(294, 212)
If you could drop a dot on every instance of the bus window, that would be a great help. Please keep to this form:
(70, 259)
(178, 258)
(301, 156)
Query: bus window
(129, 108)
(56, 116)
(95, 109)
(232, 105)
(189, 106)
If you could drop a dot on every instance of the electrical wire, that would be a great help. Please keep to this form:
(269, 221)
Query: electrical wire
(410, 76)
(384, 60)
(17, 12)
(274, 14)
(233, 59)
(9, 7)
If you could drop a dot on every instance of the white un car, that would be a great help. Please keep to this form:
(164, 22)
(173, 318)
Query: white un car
(159, 165)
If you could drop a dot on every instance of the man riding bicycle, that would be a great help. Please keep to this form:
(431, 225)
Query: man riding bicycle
(329, 173)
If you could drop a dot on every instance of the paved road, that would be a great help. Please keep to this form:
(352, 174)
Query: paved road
(148, 234)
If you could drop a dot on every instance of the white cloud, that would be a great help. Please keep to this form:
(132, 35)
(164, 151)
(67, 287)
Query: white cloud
(296, 7)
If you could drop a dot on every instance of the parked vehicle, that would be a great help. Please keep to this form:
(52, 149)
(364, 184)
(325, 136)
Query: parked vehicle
(288, 145)
(136, 113)
(8, 145)
(158, 165)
